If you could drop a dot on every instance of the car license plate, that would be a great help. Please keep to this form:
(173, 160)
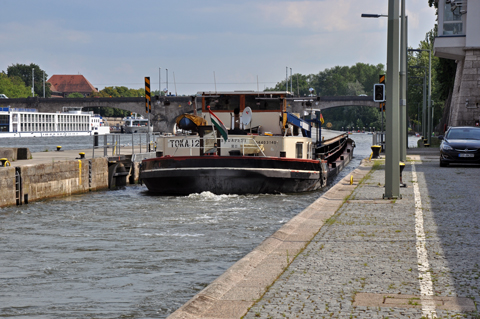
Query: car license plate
(466, 155)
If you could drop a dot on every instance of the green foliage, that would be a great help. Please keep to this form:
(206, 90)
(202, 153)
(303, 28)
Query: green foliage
(340, 81)
(75, 95)
(13, 86)
(155, 92)
(443, 78)
(116, 91)
(24, 72)
(107, 111)
(119, 91)
(353, 116)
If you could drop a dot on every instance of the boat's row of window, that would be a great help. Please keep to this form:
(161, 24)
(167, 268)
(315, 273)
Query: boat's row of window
(50, 118)
(136, 123)
(73, 119)
(47, 127)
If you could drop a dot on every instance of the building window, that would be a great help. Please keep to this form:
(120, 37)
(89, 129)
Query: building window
(452, 21)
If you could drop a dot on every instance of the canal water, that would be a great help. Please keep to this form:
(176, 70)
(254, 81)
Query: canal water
(126, 254)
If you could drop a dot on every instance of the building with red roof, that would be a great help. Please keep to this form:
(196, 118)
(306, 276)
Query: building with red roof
(63, 85)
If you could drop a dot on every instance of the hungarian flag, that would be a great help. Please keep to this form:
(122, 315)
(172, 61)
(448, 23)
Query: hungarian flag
(321, 119)
(218, 124)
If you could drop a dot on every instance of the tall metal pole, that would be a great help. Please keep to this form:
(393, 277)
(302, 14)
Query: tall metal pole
(406, 85)
(167, 82)
(159, 81)
(403, 86)
(392, 152)
(424, 105)
(298, 87)
(429, 97)
(33, 82)
(286, 79)
(44, 84)
(291, 81)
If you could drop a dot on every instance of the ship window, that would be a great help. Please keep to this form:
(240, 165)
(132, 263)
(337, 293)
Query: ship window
(299, 150)
(4, 119)
(223, 102)
(263, 103)
(4, 123)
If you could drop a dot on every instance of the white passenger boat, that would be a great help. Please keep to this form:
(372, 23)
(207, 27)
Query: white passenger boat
(136, 124)
(23, 122)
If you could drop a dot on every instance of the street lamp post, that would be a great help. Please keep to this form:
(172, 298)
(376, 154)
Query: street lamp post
(392, 111)
(403, 85)
(392, 151)
(403, 78)
(429, 109)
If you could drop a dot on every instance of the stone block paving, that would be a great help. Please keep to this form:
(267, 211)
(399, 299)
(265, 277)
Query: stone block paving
(368, 250)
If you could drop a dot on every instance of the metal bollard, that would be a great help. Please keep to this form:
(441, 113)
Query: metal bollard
(402, 167)
(376, 150)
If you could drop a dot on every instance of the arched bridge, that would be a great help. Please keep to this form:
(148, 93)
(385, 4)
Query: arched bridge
(327, 102)
(165, 109)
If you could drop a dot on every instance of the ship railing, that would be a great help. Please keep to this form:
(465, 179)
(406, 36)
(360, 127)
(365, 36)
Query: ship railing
(332, 149)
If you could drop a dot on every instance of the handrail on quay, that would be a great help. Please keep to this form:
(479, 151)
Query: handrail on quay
(117, 143)
(378, 138)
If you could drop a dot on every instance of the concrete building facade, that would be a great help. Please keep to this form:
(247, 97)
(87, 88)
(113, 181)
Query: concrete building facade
(459, 39)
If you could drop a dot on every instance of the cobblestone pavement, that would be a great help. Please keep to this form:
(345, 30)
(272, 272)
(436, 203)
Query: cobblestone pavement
(373, 247)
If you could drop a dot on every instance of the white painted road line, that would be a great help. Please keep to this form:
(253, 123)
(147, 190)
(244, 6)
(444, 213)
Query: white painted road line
(424, 276)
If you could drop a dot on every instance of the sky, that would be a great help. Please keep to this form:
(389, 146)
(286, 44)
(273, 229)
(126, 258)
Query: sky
(205, 45)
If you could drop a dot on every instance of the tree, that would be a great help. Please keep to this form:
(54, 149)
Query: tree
(119, 91)
(342, 80)
(355, 88)
(443, 79)
(24, 72)
(75, 95)
(13, 86)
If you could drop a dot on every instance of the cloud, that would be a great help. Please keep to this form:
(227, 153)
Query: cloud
(314, 16)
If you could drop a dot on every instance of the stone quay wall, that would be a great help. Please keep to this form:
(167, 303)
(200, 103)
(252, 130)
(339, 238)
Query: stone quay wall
(7, 186)
(54, 179)
(15, 153)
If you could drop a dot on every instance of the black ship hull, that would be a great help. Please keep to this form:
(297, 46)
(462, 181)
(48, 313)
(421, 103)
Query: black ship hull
(232, 175)
(184, 175)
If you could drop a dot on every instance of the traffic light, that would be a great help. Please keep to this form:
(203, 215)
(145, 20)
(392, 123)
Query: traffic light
(378, 92)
